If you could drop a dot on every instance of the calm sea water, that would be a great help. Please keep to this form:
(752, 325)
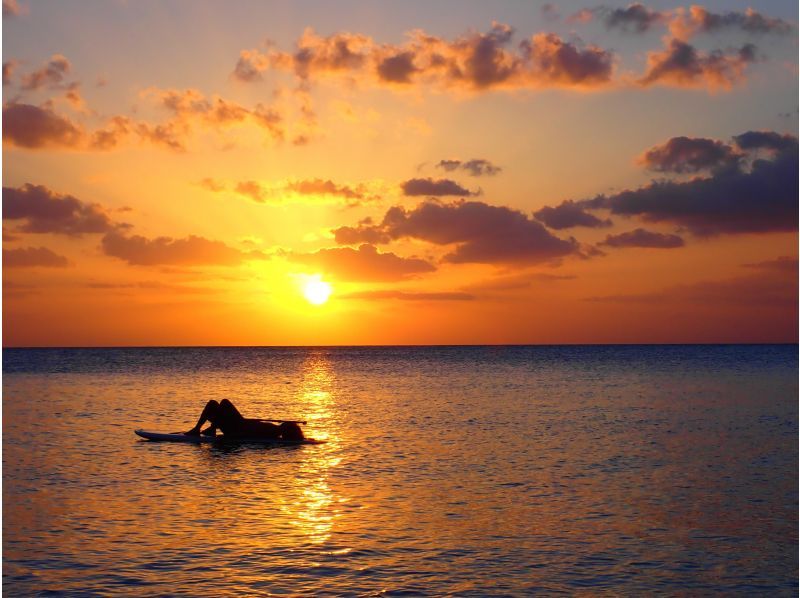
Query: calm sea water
(465, 470)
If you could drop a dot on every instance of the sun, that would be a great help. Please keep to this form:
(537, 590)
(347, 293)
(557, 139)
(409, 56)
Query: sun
(316, 291)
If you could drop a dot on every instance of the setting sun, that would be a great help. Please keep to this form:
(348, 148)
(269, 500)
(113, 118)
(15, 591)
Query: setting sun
(317, 291)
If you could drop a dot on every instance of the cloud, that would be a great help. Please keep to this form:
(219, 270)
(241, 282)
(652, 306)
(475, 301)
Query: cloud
(51, 74)
(364, 264)
(140, 251)
(635, 17)
(682, 65)
(699, 20)
(762, 290)
(756, 197)
(643, 238)
(28, 126)
(9, 66)
(689, 155)
(297, 189)
(482, 233)
(783, 263)
(324, 187)
(434, 188)
(567, 215)
(409, 296)
(45, 211)
(517, 281)
(32, 257)
(364, 232)
(474, 167)
(472, 62)
(768, 140)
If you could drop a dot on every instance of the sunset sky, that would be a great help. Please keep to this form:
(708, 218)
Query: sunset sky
(179, 172)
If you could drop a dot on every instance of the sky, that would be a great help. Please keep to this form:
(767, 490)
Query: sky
(450, 172)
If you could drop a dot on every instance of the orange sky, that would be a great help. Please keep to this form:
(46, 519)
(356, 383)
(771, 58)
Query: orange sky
(175, 173)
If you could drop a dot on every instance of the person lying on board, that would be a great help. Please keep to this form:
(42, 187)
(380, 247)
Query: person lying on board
(225, 417)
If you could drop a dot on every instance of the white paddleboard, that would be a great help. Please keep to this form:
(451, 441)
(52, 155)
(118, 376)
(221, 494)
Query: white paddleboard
(178, 437)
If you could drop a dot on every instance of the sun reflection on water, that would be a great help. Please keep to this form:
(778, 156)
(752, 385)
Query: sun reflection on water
(315, 506)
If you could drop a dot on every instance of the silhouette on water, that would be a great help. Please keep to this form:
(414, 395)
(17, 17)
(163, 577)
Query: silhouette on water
(226, 417)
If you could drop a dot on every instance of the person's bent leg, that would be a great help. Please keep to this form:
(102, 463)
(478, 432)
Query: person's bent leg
(209, 413)
(228, 419)
(291, 431)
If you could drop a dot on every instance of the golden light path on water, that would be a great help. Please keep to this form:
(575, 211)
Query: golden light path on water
(313, 508)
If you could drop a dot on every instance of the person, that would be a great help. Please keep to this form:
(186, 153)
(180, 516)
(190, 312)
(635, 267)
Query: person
(226, 417)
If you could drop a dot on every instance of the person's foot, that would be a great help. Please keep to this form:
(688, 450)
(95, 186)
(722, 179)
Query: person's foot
(209, 431)
(192, 432)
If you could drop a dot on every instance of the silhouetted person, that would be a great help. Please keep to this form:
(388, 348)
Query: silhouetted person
(226, 417)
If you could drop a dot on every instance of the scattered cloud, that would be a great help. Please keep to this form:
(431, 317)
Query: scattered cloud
(32, 127)
(435, 188)
(409, 296)
(682, 65)
(473, 167)
(41, 210)
(50, 74)
(473, 62)
(550, 12)
(297, 190)
(697, 19)
(364, 264)
(643, 238)
(569, 214)
(193, 250)
(689, 155)
(482, 233)
(32, 257)
(754, 196)
(635, 18)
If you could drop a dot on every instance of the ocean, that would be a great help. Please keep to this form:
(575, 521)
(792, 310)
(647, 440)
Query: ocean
(474, 471)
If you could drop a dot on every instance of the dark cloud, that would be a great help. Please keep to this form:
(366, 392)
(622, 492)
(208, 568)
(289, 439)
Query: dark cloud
(50, 74)
(682, 65)
(689, 155)
(482, 233)
(474, 167)
(32, 127)
(756, 198)
(32, 257)
(44, 211)
(364, 232)
(567, 215)
(643, 238)
(398, 68)
(193, 250)
(434, 188)
(750, 21)
(635, 18)
(473, 62)
(769, 140)
(364, 264)
(409, 296)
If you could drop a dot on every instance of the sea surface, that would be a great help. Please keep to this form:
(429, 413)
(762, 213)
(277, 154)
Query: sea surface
(625, 470)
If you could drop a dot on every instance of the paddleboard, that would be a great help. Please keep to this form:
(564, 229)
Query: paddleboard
(178, 437)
